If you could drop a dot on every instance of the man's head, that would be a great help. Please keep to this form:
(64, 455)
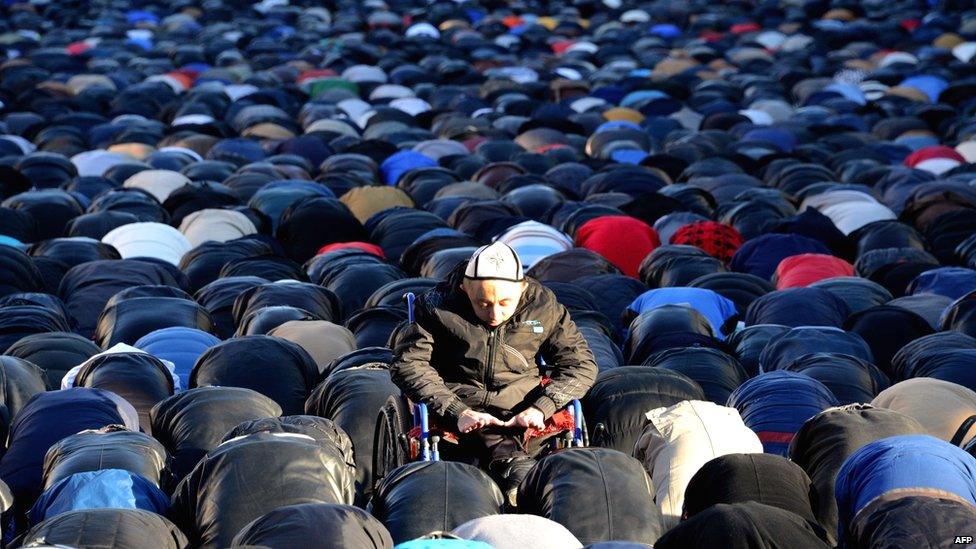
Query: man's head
(494, 282)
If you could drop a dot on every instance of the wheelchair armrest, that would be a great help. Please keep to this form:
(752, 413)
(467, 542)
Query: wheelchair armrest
(575, 408)
(422, 419)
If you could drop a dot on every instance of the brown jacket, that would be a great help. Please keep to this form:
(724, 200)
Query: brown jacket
(451, 361)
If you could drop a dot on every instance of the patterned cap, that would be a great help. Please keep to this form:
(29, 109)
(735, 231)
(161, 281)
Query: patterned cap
(716, 239)
(496, 261)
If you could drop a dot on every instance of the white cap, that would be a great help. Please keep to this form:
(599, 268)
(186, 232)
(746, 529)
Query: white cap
(496, 261)
(635, 16)
(968, 150)
(965, 51)
(423, 29)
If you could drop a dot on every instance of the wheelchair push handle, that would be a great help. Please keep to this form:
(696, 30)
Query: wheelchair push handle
(410, 298)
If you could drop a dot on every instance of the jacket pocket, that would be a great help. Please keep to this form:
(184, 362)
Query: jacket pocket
(522, 363)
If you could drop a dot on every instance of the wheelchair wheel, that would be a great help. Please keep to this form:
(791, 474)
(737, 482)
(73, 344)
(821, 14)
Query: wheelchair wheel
(390, 444)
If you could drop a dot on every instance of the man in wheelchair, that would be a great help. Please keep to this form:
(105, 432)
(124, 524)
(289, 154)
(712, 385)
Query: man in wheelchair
(470, 356)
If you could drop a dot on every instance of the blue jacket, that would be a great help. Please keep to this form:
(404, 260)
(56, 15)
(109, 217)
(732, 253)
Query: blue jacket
(179, 345)
(761, 255)
(717, 309)
(920, 463)
(776, 404)
(104, 489)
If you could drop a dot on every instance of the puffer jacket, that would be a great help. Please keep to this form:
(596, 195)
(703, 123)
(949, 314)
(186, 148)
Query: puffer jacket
(451, 361)
(681, 438)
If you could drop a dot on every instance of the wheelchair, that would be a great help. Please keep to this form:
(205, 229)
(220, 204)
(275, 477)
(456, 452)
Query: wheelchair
(404, 432)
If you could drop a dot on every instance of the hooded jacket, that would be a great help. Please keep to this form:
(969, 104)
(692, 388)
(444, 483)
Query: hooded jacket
(451, 361)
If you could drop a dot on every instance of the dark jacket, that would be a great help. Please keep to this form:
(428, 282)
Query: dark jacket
(451, 361)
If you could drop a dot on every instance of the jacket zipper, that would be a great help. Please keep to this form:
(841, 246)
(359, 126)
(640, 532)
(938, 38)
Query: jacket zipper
(492, 337)
(491, 361)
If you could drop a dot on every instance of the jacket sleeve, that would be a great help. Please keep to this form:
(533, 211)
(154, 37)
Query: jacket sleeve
(413, 374)
(573, 368)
